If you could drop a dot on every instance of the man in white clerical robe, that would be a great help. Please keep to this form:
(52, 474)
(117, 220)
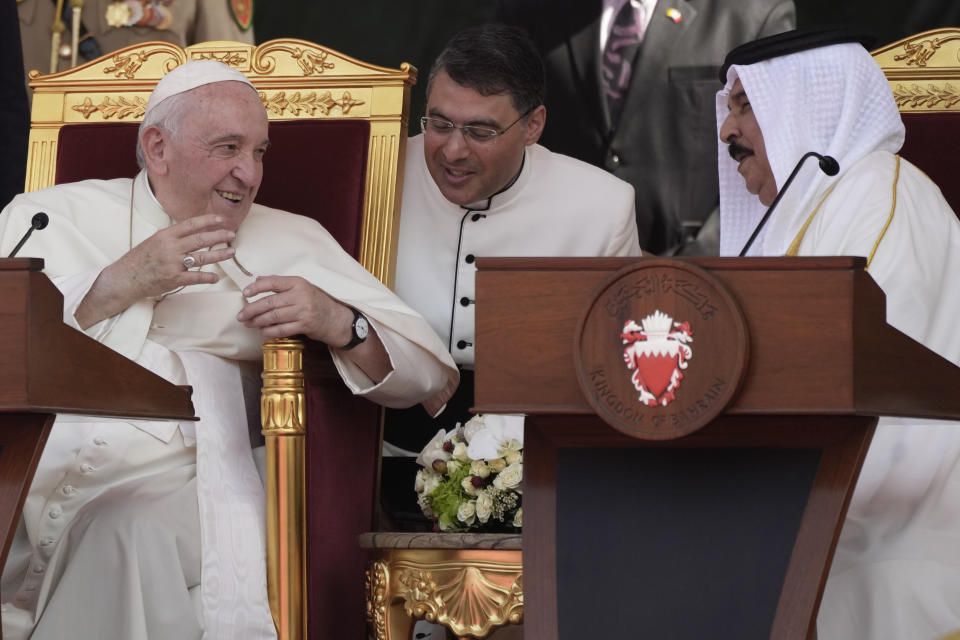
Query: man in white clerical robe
(140, 529)
(477, 184)
(896, 571)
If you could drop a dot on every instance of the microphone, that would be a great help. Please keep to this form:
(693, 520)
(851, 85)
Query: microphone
(828, 165)
(39, 221)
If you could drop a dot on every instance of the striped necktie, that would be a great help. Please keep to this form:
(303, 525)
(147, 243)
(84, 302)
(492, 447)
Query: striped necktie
(618, 57)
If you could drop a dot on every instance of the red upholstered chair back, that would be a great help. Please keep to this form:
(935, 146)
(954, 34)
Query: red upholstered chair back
(932, 143)
(300, 173)
(96, 151)
(338, 133)
(924, 75)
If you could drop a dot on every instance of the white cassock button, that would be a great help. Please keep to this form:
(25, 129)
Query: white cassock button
(38, 569)
(100, 442)
(31, 587)
(46, 541)
(69, 489)
(55, 513)
(87, 468)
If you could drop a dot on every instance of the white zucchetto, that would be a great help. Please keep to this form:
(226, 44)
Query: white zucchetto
(191, 75)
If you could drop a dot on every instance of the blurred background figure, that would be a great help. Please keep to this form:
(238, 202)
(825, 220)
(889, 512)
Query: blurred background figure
(630, 88)
(14, 112)
(107, 25)
(377, 31)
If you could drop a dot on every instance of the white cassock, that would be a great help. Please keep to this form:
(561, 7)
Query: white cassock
(558, 206)
(896, 571)
(112, 508)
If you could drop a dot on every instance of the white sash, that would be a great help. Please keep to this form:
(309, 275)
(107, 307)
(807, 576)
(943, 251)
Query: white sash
(232, 506)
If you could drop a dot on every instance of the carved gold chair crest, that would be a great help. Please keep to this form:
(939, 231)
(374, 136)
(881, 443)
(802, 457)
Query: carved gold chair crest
(924, 74)
(338, 133)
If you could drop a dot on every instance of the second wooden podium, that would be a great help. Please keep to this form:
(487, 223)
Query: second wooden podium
(695, 431)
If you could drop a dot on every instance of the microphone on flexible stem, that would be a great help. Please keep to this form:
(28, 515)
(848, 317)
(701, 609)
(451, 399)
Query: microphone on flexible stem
(828, 165)
(39, 221)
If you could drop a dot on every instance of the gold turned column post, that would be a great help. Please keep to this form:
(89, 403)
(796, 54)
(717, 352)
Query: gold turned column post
(56, 37)
(282, 414)
(76, 8)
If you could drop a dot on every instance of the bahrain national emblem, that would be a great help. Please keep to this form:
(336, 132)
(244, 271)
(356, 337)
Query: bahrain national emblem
(657, 351)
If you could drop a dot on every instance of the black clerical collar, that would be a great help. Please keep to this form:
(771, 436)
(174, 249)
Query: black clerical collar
(486, 203)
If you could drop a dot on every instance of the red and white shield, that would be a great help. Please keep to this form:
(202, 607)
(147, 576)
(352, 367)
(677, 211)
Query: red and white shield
(657, 351)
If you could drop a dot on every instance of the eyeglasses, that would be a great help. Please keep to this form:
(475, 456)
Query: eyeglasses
(471, 132)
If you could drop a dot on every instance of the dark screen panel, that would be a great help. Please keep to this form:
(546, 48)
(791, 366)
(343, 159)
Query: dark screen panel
(694, 543)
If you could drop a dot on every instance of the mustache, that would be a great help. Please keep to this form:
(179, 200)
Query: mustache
(735, 149)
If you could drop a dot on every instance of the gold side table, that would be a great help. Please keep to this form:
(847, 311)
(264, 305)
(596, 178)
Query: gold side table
(470, 583)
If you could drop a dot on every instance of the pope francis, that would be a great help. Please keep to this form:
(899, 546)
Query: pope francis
(156, 530)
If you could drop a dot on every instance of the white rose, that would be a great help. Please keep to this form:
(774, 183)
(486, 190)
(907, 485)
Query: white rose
(510, 477)
(484, 506)
(497, 464)
(518, 518)
(513, 457)
(431, 480)
(479, 468)
(460, 452)
(467, 513)
(452, 466)
(418, 482)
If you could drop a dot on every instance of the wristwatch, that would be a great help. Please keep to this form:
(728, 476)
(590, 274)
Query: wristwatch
(360, 329)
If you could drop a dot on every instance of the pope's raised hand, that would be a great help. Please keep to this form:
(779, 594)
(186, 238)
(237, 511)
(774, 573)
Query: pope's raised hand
(158, 265)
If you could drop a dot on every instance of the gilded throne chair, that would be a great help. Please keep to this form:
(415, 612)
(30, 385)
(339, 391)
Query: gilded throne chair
(338, 134)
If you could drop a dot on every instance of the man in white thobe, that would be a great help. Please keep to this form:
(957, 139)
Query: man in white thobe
(156, 530)
(896, 571)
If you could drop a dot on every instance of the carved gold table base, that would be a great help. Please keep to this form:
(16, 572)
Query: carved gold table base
(470, 583)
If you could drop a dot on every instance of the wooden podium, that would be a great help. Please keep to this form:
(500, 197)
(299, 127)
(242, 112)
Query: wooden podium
(47, 368)
(639, 520)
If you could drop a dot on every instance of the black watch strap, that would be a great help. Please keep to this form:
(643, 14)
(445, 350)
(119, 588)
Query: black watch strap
(359, 330)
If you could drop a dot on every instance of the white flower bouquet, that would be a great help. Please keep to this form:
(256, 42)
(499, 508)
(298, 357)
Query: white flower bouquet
(471, 476)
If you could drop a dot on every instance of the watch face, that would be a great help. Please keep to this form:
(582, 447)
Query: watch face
(361, 328)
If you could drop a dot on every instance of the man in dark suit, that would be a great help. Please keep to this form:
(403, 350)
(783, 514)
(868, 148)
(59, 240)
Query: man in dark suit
(664, 142)
(14, 112)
